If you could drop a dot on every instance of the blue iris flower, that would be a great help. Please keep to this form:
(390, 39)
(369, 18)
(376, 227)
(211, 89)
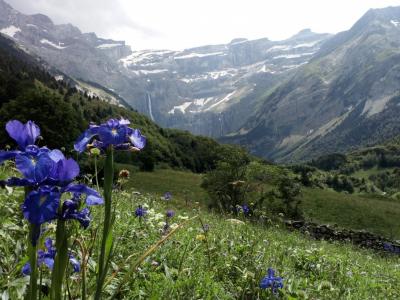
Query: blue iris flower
(170, 213)
(113, 132)
(140, 211)
(46, 257)
(245, 209)
(49, 173)
(41, 206)
(70, 211)
(167, 196)
(24, 134)
(391, 248)
(272, 282)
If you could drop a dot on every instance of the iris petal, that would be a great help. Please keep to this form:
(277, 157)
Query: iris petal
(26, 269)
(49, 262)
(35, 168)
(15, 130)
(41, 206)
(75, 263)
(6, 155)
(56, 155)
(84, 139)
(67, 170)
(24, 135)
(137, 139)
(15, 181)
(112, 135)
(32, 131)
(93, 197)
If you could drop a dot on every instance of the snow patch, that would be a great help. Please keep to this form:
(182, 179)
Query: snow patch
(181, 107)
(265, 69)
(59, 77)
(107, 46)
(395, 23)
(144, 57)
(306, 45)
(199, 55)
(10, 31)
(47, 42)
(149, 72)
(279, 48)
(289, 56)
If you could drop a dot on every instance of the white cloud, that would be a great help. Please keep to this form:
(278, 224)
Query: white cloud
(178, 24)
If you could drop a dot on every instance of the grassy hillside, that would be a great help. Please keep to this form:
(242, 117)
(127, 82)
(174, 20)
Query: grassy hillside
(377, 214)
(227, 262)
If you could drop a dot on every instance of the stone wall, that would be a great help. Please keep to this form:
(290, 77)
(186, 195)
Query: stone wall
(332, 233)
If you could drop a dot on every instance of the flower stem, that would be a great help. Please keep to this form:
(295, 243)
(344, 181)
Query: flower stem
(106, 243)
(96, 173)
(60, 262)
(34, 231)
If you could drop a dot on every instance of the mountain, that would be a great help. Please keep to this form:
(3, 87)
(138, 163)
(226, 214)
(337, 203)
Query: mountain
(347, 96)
(29, 92)
(207, 90)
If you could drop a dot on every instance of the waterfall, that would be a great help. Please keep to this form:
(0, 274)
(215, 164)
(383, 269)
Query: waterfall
(149, 106)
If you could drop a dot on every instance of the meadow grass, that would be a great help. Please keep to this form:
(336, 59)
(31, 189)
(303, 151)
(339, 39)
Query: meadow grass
(378, 214)
(227, 262)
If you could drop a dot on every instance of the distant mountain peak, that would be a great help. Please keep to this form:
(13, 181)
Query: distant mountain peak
(307, 32)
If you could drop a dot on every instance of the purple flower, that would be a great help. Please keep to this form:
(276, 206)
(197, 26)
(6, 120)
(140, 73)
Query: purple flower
(26, 269)
(391, 248)
(167, 196)
(140, 211)
(170, 213)
(245, 209)
(70, 211)
(272, 282)
(206, 227)
(46, 257)
(41, 206)
(76, 266)
(24, 134)
(113, 132)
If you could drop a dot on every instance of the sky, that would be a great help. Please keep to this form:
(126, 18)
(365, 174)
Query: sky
(180, 24)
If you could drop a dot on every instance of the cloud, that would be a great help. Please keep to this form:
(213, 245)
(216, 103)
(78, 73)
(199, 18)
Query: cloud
(179, 24)
(104, 17)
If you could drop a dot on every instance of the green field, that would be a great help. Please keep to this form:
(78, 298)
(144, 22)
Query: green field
(377, 214)
(226, 263)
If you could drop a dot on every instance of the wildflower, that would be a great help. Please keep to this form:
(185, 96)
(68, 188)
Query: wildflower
(46, 257)
(140, 211)
(113, 132)
(70, 211)
(170, 213)
(272, 282)
(165, 229)
(123, 174)
(200, 237)
(24, 134)
(245, 209)
(167, 196)
(41, 206)
(391, 248)
(206, 227)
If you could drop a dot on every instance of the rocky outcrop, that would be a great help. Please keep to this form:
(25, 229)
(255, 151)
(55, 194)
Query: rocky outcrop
(333, 233)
